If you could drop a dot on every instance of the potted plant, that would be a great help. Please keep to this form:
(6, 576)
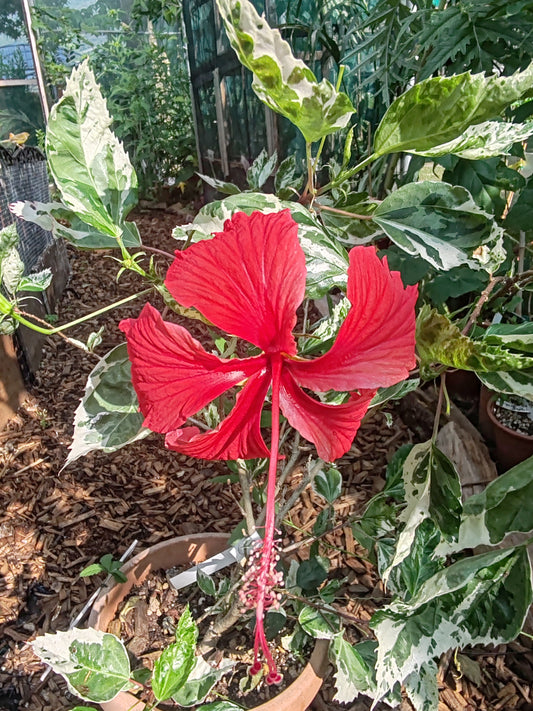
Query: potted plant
(512, 427)
(248, 263)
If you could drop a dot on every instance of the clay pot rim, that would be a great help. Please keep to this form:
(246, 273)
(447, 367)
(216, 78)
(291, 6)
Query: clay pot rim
(311, 676)
(495, 421)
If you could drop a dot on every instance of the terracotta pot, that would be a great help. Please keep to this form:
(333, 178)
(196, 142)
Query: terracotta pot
(463, 384)
(194, 549)
(512, 447)
(484, 421)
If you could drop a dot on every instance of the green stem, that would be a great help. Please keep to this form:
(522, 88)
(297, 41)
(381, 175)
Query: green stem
(348, 174)
(52, 331)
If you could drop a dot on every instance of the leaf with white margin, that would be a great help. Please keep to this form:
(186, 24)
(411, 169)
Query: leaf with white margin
(440, 109)
(504, 507)
(108, 416)
(518, 336)
(200, 681)
(484, 140)
(326, 261)
(513, 382)
(482, 599)
(440, 223)
(94, 664)
(281, 81)
(422, 689)
(83, 236)
(432, 490)
(88, 163)
(353, 675)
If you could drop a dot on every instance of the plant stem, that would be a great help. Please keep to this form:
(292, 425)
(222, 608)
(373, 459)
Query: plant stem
(244, 481)
(337, 211)
(439, 407)
(480, 303)
(347, 174)
(307, 479)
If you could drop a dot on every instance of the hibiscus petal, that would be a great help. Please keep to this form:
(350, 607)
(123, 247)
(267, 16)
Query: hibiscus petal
(173, 376)
(238, 436)
(331, 428)
(248, 280)
(375, 346)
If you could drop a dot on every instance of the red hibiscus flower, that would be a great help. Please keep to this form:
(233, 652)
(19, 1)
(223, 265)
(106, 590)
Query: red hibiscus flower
(249, 281)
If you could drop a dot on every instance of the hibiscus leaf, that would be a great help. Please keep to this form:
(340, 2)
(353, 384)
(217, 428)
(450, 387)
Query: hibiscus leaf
(353, 675)
(484, 140)
(220, 185)
(94, 664)
(440, 223)
(432, 491)
(440, 109)
(328, 484)
(505, 506)
(422, 689)
(108, 416)
(481, 599)
(77, 232)
(512, 382)
(200, 681)
(11, 265)
(261, 169)
(440, 341)
(518, 336)
(89, 165)
(173, 667)
(281, 81)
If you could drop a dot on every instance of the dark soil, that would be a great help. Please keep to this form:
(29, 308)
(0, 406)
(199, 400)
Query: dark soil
(54, 521)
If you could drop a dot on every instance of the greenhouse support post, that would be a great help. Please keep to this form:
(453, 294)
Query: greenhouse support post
(36, 61)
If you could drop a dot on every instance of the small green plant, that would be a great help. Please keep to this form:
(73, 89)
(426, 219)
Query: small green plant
(108, 565)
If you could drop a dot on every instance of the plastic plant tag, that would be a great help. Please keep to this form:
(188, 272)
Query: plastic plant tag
(217, 562)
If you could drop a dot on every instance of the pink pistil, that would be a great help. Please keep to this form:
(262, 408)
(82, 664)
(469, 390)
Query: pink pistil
(261, 578)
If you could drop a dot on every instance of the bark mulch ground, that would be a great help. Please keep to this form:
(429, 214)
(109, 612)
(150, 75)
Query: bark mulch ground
(55, 521)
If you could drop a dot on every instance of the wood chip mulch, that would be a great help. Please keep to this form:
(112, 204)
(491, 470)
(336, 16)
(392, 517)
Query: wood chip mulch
(55, 521)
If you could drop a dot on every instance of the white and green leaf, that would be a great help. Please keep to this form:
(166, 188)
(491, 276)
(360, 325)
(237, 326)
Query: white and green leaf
(281, 81)
(422, 689)
(94, 664)
(175, 663)
(440, 109)
(88, 163)
(440, 223)
(512, 382)
(108, 416)
(353, 675)
(200, 681)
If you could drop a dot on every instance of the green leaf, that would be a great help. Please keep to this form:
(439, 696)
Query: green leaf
(484, 140)
(326, 331)
(286, 181)
(94, 664)
(422, 689)
(432, 491)
(93, 569)
(440, 223)
(328, 484)
(88, 163)
(36, 282)
(206, 583)
(281, 81)
(513, 382)
(352, 673)
(481, 599)
(172, 668)
(108, 416)
(421, 563)
(83, 236)
(222, 706)
(200, 682)
(11, 265)
(394, 392)
(220, 185)
(520, 216)
(261, 169)
(440, 341)
(518, 336)
(319, 624)
(312, 573)
(505, 506)
(440, 109)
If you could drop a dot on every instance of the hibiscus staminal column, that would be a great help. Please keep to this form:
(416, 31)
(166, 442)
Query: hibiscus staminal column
(258, 588)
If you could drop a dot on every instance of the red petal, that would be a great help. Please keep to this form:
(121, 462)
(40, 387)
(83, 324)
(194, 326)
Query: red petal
(173, 375)
(331, 428)
(248, 280)
(238, 436)
(375, 346)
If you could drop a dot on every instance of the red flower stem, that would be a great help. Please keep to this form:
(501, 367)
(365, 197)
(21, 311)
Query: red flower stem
(268, 540)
